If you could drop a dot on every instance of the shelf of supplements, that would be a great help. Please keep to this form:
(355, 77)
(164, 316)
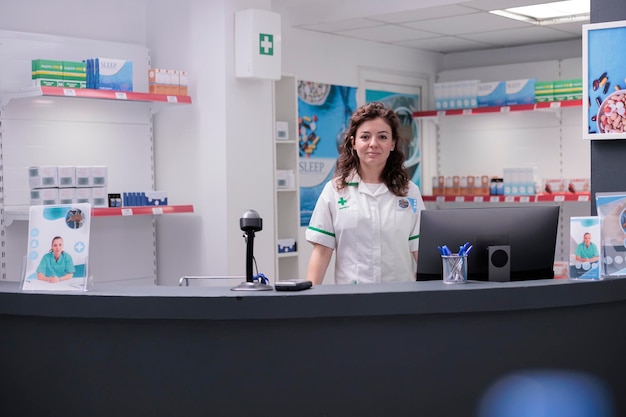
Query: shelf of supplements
(540, 106)
(93, 94)
(559, 197)
(17, 213)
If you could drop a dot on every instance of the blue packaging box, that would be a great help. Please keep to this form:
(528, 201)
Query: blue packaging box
(155, 198)
(520, 91)
(491, 94)
(109, 74)
(286, 245)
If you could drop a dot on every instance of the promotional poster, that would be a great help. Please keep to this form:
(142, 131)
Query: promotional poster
(58, 248)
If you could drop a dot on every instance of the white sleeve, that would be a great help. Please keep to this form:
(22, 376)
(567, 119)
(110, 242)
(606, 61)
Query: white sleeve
(321, 228)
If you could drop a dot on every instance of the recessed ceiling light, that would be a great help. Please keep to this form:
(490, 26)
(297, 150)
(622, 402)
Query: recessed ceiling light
(549, 13)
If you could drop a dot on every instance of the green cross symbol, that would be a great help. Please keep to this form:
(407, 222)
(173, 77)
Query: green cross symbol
(342, 201)
(266, 44)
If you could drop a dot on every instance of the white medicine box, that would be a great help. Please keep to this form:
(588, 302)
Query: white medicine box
(43, 176)
(67, 176)
(282, 130)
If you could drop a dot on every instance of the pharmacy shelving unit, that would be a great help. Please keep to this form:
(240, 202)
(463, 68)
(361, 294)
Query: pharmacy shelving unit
(507, 119)
(66, 126)
(286, 155)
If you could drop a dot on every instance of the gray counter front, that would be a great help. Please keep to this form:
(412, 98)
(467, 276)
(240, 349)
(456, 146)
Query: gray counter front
(420, 348)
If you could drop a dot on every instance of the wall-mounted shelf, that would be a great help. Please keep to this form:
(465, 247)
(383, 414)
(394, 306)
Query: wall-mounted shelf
(88, 93)
(141, 210)
(552, 105)
(13, 213)
(583, 197)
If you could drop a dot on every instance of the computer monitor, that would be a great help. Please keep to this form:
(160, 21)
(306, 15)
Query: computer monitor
(528, 231)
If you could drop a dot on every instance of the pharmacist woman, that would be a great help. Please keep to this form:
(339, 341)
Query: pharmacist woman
(369, 211)
(56, 265)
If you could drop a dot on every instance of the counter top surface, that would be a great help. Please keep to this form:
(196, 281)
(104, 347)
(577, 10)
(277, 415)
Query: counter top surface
(221, 303)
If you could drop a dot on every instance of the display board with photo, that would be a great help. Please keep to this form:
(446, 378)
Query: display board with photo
(585, 257)
(58, 248)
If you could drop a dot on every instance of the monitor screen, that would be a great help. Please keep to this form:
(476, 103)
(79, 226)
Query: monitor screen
(529, 231)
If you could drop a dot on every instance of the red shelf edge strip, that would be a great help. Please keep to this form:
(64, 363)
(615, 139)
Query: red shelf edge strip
(113, 95)
(140, 210)
(499, 109)
(506, 198)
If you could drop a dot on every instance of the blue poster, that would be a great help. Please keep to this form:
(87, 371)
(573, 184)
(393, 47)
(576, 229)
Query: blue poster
(404, 105)
(606, 81)
(324, 112)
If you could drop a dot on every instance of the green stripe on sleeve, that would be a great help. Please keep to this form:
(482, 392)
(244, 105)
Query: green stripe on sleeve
(315, 229)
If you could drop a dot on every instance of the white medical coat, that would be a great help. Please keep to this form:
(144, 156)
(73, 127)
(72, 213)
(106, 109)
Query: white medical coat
(373, 233)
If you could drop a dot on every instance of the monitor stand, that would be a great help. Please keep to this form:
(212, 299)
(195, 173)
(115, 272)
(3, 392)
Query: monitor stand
(252, 286)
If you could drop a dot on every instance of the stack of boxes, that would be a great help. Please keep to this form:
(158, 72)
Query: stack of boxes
(106, 74)
(520, 180)
(472, 93)
(168, 81)
(559, 90)
(460, 185)
(52, 73)
(566, 185)
(52, 185)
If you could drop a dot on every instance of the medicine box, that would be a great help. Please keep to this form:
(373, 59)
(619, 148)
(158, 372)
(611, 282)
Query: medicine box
(282, 130)
(544, 91)
(579, 185)
(43, 176)
(471, 182)
(67, 176)
(109, 74)
(83, 176)
(67, 195)
(44, 197)
(115, 200)
(491, 94)
(286, 245)
(520, 91)
(183, 83)
(99, 176)
(554, 185)
(155, 198)
(571, 89)
(74, 74)
(99, 197)
(83, 195)
(285, 178)
(439, 185)
(47, 72)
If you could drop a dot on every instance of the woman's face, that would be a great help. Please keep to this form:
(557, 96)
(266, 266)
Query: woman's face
(57, 246)
(373, 142)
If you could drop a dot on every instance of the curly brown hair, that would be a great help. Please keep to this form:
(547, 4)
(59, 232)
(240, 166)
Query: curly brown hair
(394, 175)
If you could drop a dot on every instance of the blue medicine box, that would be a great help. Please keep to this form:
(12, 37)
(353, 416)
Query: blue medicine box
(520, 91)
(286, 245)
(155, 198)
(109, 74)
(491, 94)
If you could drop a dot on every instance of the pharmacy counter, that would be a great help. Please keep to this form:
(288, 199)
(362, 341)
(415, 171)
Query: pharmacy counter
(422, 348)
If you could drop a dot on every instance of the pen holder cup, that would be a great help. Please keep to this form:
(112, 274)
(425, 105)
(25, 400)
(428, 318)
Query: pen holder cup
(454, 269)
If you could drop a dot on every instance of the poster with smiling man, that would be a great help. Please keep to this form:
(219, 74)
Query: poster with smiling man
(58, 248)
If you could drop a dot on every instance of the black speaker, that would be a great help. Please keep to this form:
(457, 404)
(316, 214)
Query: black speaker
(499, 263)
